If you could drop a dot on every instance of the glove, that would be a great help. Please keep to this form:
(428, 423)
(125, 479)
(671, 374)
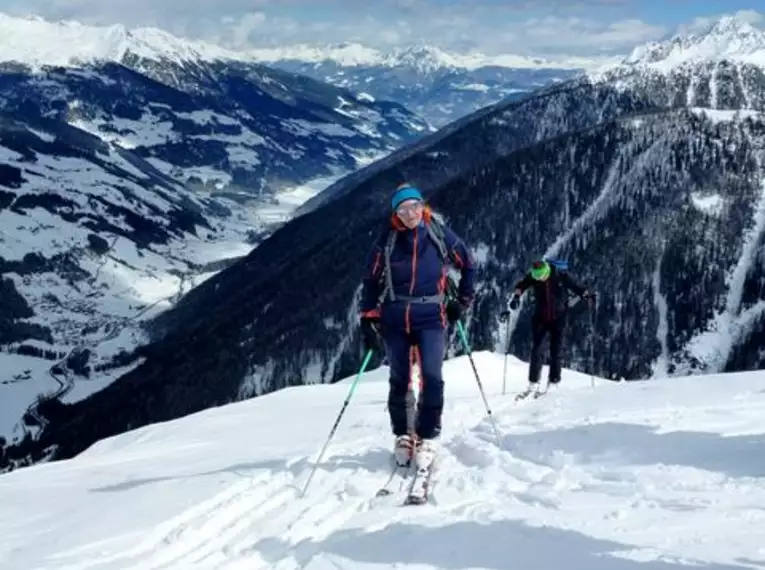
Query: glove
(503, 316)
(515, 302)
(454, 310)
(370, 333)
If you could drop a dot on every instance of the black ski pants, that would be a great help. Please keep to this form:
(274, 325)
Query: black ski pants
(540, 328)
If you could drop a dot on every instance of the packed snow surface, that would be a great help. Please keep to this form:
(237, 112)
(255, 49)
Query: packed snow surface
(657, 475)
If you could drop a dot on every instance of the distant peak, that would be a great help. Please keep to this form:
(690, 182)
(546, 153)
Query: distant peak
(424, 57)
(343, 53)
(732, 25)
(35, 41)
(421, 56)
(730, 37)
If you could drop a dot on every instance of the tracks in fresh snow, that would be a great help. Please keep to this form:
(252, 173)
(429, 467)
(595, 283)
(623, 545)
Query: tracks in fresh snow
(561, 491)
(255, 519)
(262, 519)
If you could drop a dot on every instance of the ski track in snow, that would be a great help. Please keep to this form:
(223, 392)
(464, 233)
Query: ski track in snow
(653, 475)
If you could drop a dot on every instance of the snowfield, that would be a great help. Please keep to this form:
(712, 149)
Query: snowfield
(655, 475)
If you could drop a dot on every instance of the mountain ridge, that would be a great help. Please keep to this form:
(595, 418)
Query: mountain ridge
(71, 42)
(729, 38)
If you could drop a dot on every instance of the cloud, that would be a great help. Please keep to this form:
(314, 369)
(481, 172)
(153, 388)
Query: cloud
(558, 35)
(455, 29)
(241, 29)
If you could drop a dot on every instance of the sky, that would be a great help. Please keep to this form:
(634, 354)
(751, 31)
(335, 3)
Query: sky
(545, 28)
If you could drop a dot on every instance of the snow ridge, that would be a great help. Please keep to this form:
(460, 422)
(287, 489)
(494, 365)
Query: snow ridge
(730, 38)
(35, 41)
(424, 57)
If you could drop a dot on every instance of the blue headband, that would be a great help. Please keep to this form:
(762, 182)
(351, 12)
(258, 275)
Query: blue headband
(405, 193)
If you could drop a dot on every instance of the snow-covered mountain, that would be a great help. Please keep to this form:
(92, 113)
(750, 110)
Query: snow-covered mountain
(422, 56)
(93, 239)
(730, 38)
(35, 41)
(134, 164)
(625, 476)
(202, 113)
(654, 196)
(439, 86)
(720, 68)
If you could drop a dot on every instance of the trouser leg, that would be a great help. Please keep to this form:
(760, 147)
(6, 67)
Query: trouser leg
(556, 345)
(431, 345)
(397, 346)
(538, 333)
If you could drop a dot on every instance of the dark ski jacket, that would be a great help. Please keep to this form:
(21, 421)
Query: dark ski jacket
(551, 296)
(416, 271)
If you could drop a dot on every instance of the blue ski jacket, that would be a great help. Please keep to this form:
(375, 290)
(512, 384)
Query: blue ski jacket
(418, 276)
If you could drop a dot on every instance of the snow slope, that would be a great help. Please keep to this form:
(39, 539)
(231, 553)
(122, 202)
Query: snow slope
(653, 475)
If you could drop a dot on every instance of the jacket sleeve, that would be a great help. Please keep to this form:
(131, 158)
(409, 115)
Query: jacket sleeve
(523, 284)
(373, 269)
(465, 262)
(572, 284)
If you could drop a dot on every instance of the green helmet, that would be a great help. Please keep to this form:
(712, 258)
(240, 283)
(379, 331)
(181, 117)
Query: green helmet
(540, 270)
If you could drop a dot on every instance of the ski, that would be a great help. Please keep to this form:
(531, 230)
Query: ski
(533, 389)
(402, 470)
(546, 391)
(523, 395)
(419, 490)
(537, 393)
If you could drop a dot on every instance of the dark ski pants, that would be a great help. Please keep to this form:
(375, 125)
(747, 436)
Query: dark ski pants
(403, 350)
(539, 330)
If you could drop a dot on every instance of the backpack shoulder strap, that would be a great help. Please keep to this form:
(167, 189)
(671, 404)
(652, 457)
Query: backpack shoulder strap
(387, 290)
(436, 234)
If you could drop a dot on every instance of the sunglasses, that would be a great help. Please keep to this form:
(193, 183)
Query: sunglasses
(409, 208)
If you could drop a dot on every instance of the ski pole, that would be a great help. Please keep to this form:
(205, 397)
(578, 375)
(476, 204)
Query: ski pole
(339, 416)
(507, 350)
(461, 331)
(592, 351)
